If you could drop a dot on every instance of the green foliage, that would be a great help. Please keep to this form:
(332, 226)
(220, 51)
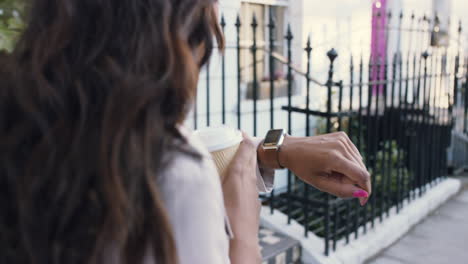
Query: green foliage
(11, 22)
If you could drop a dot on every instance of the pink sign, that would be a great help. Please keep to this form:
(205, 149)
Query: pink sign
(378, 43)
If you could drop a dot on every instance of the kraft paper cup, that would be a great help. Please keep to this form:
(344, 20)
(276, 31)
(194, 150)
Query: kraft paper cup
(223, 143)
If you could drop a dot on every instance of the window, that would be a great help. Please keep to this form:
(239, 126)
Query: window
(262, 13)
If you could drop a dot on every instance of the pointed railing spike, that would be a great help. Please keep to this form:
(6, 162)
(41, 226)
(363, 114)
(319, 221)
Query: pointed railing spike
(254, 21)
(425, 54)
(223, 21)
(289, 35)
(308, 48)
(271, 22)
(238, 21)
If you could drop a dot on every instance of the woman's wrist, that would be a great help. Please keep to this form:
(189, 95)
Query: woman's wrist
(285, 150)
(281, 157)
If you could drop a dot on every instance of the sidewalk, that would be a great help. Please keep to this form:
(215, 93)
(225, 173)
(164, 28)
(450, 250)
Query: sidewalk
(441, 238)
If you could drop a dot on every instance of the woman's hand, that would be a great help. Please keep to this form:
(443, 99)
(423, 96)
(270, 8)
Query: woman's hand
(330, 163)
(242, 204)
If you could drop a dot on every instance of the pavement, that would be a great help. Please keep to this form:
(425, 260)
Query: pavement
(442, 238)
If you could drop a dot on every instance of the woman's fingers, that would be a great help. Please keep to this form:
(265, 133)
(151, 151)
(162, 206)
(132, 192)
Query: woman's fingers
(342, 179)
(244, 162)
(350, 143)
(352, 170)
(351, 155)
(354, 155)
(340, 189)
(351, 148)
(246, 151)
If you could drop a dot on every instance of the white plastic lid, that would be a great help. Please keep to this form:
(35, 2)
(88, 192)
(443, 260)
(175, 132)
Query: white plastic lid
(218, 138)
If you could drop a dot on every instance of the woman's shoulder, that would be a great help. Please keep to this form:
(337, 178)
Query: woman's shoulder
(192, 194)
(185, 169)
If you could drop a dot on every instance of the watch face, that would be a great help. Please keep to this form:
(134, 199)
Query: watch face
(273, 137)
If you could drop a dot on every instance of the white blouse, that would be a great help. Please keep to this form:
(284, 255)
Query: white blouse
(192, 194)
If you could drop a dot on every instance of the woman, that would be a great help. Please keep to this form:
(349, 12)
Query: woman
(95, 164)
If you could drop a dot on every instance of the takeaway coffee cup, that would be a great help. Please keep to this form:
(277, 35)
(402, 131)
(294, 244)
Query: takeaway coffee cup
(223, 143)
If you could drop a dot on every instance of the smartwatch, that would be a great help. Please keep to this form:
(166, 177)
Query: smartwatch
(271, 147)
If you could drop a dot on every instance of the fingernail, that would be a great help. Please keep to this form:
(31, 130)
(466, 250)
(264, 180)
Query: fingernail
(360, 193)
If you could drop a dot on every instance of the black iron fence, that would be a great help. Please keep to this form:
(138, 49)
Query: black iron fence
(459, 147)
(398, 108)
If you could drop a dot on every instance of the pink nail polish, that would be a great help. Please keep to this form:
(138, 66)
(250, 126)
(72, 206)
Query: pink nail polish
(360, 194)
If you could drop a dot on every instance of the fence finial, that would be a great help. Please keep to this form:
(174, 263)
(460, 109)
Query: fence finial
(332, 55)
(271, 22)
(238, 22)
(425, 55)
(308, 48)
(254, 21)
(289, 35)
(223, 21)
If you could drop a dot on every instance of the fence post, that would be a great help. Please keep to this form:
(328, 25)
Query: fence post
(289, 37)
(465, 112)
(376, 137)
(401, 118)
(422, 132)
(465, 115)
(433, 129)
(271, 27)
(350, 133)
(223, 75)
(455, 89)
(369, 157)
(430, 153)
(384, 203)
(336, 213)
(239, 71)
(255, 81)
(359, 140)
(332, 55)
(308, 51)
(390, 136)
(340, 105)
(440, 131)
(457, 64)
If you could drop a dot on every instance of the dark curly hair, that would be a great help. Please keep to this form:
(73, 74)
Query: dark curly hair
(90, 103)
